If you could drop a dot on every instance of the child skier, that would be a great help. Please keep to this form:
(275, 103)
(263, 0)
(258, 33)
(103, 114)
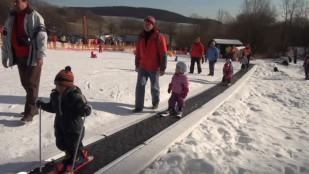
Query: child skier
(100, 48)
(306, 67)
(69, 104)
(93, 54)
(244, 63)
(179, 88)
(227, 72)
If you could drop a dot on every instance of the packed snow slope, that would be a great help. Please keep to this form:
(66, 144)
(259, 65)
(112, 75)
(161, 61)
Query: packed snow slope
(108, 83)
(262, 129)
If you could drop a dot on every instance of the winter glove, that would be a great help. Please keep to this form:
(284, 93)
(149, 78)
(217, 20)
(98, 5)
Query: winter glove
(162, 73)
(169, 88)
(86, 110)
(202, 60)
(38, 103)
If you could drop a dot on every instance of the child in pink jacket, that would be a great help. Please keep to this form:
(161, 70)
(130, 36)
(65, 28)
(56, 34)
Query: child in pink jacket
(227, 72)
(179, 88)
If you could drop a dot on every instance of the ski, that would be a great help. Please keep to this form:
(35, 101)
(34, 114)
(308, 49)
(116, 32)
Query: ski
(164, 113)
(225, 84)
(167, 113)
(179, 114)
(89, 159)
(61, 169)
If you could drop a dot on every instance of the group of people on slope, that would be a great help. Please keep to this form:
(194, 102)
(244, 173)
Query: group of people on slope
(198, 56)
(24, 45)
(212, 54)
(151, 62)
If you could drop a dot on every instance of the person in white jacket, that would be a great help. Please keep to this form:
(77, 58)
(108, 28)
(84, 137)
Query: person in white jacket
(24, 44)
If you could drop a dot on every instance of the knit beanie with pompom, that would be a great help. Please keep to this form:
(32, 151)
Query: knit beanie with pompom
(65, 77)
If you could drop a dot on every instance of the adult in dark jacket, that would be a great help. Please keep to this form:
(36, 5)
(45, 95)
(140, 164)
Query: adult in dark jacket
(24, 45)
(197, 55)
(306, 67)
(150, 62)
(70, 105)
(295, 55)
(247, 53)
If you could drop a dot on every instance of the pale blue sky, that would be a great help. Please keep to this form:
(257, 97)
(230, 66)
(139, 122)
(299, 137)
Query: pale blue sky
(204, 8)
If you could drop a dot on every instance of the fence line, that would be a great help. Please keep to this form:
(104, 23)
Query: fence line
(95, 47)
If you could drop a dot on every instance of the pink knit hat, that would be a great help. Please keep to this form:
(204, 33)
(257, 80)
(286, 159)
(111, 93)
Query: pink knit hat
(150, 19)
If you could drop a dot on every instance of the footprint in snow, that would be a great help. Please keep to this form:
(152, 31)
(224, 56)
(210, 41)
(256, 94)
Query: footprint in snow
(88, 85)
(11, 106)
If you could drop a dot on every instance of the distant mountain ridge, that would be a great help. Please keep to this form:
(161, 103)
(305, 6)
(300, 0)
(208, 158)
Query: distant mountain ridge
(141, 12)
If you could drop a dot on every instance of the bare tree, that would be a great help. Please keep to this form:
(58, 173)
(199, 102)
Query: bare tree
(132, 26)
(112, 27)
(170, 29)
(184, 37)
(100, 28)
(302, 22)
(255, 17)
(288, 8)
(224, 16)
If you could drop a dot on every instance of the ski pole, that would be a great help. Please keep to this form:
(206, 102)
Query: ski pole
(40, 139)
(78, 142)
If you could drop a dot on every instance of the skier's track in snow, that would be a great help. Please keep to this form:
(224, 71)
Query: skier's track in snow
(114, 146)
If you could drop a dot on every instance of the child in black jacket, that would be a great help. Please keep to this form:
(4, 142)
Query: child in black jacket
(70, 105)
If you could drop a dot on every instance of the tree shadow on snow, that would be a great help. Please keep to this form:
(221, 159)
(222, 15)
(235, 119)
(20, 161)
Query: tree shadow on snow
(9, 99)
(11, 123)
(10, 114)
(129, 70)
(16, 167)
(169, 73)
(116, 108)
(201, 81)
(110, 107)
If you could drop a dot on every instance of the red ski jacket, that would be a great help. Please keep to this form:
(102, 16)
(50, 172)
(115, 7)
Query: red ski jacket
(153, 55)
(197, 50)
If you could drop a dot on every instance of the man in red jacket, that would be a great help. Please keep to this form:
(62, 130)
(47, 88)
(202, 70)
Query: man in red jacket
(55, 38)
(197, 54)
(150, 62)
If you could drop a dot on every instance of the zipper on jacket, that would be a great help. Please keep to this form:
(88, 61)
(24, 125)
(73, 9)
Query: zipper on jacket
(59, 101)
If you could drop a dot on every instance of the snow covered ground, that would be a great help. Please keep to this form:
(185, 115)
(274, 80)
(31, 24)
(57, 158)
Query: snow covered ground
(264, 127)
